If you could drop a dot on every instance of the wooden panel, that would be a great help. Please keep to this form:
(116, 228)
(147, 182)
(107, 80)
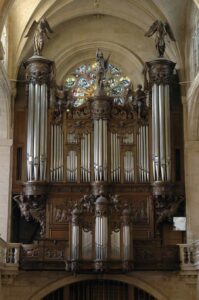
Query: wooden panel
(170, 236)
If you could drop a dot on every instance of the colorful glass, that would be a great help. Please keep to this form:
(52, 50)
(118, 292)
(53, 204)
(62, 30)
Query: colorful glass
(81, 83)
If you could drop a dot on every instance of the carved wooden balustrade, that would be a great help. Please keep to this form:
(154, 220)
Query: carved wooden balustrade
(53, 255)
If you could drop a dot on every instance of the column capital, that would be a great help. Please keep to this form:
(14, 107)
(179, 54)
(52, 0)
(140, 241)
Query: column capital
(160, 71)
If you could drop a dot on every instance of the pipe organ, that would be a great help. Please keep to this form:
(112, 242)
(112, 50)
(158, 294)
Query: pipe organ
(100, 174)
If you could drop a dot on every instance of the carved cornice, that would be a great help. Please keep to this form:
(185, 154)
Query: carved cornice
(160, 71)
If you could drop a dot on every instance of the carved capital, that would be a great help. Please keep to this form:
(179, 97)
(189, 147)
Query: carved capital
(38, 70)
(160, 71)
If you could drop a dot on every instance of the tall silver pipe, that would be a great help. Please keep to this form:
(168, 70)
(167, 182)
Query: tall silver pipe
(100, 138)
(37, 130)
(153, 131)
(30, 133)
(111, 156)
(162, 131)
(89, 157)
(167, 133)
(144, 152)
(147, 151)
(54, 151)
(104, 149)
(42, 132)
(46, 132)
(51, 152)
(86, 156)
(157, 134)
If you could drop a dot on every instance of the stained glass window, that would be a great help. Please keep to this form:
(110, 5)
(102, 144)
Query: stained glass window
(81, 83)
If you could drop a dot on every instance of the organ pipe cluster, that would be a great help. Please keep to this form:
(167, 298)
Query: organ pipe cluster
(160, 75)
(38, 77)
(100, 150)
(161, 149)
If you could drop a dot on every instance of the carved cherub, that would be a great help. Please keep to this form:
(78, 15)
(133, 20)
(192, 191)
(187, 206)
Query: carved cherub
(161, 29)
(41, 30)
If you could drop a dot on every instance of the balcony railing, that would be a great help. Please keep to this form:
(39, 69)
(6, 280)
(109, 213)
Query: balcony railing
(54, 255)
(9, 261)
(189, 256)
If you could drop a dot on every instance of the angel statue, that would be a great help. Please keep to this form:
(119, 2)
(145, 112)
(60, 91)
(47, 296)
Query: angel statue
(161, 29)
(102, 68)
(41, 30)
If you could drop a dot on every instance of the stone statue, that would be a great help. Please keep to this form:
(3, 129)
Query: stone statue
(139, 99)
(41, 30)
(102, 69)
(161, 29)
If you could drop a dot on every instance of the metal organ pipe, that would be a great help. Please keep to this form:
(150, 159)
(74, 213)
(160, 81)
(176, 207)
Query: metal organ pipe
(57, 145)
(115, 157)
(143, 153)
(157, 134)
(85, 158)
(162, 132)
(167, 133)
(30, 134)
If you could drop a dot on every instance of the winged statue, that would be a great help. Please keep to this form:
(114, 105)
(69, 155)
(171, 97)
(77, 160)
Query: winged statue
(41, 30)
(161, 29)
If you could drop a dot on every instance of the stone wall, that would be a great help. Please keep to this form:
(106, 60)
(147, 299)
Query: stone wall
(163, 286)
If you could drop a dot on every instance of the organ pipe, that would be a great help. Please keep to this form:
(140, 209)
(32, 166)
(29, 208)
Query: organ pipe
(143, 153)
(115, 157)
(71, 166)
(126, 236)
(101, 229)
(56, 162)
(85, 158)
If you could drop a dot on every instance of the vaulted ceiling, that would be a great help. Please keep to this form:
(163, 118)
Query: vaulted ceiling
(80, 27)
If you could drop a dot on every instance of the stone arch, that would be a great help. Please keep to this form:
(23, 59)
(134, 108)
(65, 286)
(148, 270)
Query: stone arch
(74, 56)
(74, 279)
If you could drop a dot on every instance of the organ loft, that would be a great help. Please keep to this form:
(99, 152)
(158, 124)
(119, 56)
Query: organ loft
(98, 170)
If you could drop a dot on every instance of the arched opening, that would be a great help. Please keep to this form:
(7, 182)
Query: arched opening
(99, 289)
